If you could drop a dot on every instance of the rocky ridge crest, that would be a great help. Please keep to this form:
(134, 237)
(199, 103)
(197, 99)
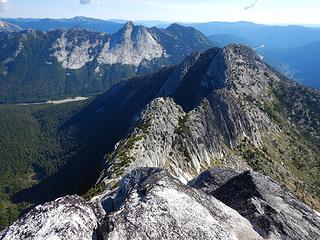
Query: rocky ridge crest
(150, 203)
(222, 107)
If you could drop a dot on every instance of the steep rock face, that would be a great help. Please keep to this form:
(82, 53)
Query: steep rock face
(151, 204)
(228, 78)
(274, 212)
(69, 217)
(131, 46)
(188, 132)
(143, 149)
(73, 49)
(221, 107)
(167, 137)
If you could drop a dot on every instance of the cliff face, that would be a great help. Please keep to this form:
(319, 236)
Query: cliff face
(131, 45)
(223, 106)
(273, 211)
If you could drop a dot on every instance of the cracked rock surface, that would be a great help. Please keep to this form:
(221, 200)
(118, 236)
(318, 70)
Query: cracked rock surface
(69, 217)
(272, 210)
(151, 204)
(221, 203)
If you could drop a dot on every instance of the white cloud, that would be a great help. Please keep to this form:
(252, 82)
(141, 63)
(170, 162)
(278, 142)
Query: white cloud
(4, 5)
(251, 5)
(84, 2)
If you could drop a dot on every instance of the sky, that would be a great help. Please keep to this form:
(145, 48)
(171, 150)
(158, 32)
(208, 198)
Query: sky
(259, 11)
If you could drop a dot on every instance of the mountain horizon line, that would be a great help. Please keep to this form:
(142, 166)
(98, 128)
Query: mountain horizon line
(157, 22)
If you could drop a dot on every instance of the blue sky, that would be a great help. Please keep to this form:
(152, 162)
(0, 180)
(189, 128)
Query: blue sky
(260, 11)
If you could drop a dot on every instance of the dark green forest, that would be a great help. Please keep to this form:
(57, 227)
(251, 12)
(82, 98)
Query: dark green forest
(34, 144)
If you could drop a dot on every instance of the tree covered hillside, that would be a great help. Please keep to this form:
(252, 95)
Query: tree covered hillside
(33, 145)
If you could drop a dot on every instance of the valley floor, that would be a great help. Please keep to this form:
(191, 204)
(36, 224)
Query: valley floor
(61, 101)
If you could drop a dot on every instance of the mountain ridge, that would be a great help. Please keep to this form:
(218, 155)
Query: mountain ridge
(9, 27)
(46, 24)
(221, 107)
(84, 62)
(238, 108)
(279, 44)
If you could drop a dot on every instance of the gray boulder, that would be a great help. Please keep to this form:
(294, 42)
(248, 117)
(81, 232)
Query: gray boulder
(151, 204)
(273, 211)
(69, 217)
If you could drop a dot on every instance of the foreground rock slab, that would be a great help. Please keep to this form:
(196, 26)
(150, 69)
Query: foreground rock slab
(221, 203)
(151, 204)
(69, 217)
(273, 211)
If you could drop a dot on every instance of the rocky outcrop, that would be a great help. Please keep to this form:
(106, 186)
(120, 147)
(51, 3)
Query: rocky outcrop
(131, 45)
(221, 203)
(273, 211)
(74, 48)
(218, 107)
(167, 137)
(151, 204)
(69, 217)
(187, 131)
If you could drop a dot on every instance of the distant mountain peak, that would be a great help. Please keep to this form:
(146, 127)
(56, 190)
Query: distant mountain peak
(127, 31)
(135, 48)
(177, 26)
(81, 18)
(129, 24)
